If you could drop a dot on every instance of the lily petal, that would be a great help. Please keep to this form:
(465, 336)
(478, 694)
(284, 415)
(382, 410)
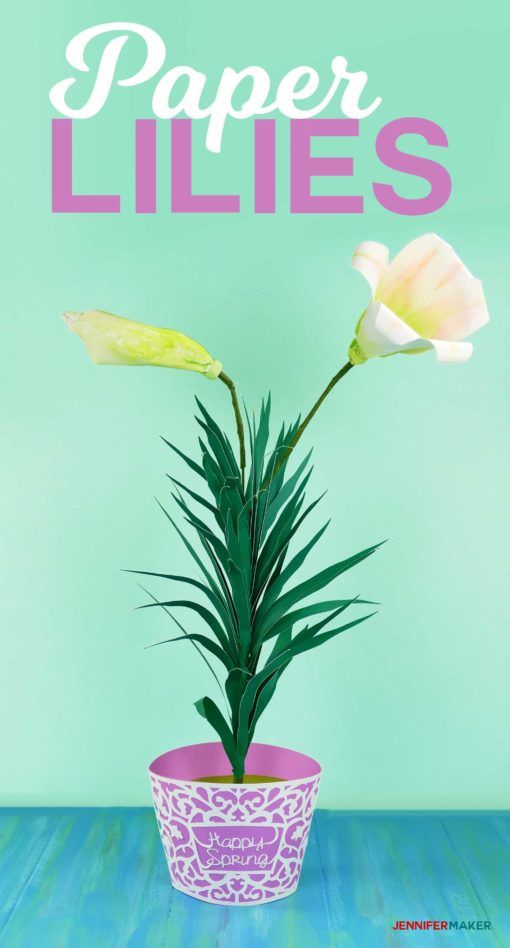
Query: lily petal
(455, 310)
(382, 332)
(418, 287)
(417, 269)
(371, 259)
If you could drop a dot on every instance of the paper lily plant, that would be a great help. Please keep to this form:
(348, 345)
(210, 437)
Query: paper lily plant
(246, 507)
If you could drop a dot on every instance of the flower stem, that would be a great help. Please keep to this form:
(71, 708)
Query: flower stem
(304, 424)
(239, 421)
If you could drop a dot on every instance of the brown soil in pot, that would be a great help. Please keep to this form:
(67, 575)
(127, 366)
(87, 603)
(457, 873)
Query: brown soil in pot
(228, 778)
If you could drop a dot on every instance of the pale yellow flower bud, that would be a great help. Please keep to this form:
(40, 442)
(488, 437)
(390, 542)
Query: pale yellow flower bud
(113, 340)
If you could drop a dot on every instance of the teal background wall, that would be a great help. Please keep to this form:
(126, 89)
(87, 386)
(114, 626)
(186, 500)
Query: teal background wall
(409, 711)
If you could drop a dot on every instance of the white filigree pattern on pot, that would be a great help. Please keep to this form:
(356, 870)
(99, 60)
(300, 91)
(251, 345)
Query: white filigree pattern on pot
(235, 844)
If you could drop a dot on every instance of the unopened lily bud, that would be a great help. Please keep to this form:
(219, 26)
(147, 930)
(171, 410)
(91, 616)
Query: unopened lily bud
(113, 340)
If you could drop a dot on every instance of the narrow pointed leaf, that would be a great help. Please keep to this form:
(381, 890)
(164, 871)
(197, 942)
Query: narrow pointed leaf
(284, 658)
(191, 493)
(216, 601)
(209, 710)
(234, 687)
(189, 548)
(194, 644)
(295, 563)
(206, 643)
(202, 611)
(189, 461)
(267, 615)
(291, 618)
(262, 699)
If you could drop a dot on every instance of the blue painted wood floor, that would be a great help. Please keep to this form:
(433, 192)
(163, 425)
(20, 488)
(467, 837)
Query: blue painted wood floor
(92, 878)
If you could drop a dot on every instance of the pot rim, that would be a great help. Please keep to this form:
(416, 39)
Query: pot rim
(312, 765)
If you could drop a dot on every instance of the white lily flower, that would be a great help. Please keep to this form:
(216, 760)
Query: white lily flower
(424, 299)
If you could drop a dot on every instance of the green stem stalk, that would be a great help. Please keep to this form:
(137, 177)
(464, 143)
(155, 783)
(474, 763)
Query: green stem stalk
(304, 424)
(239, 421)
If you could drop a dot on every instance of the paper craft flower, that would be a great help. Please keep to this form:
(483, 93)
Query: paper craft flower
(424, 299)
(113, 340)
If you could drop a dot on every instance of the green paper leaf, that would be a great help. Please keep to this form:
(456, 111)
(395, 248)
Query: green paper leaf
(270, 611)
(217, 601)
(199, 499)
(207, 708)
(202, 640)
(275, 664)
(189, 548)
(247, 566)
(291, 618)
(275, 501)
(204, 614)
(262, 699)
(234, 687)
(189, 461)
(194, 644)
(295, 563)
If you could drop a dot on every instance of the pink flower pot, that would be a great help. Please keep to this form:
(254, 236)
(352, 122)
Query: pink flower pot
(234, 844)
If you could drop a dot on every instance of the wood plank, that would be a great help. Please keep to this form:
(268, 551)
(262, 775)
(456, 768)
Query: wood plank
(97, 877)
